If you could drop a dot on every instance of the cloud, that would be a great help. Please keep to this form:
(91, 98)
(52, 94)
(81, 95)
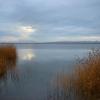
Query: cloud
(77, 38)
(39, 20)
(9, 39)
(26, 31)
(23, 33)
(76, 30)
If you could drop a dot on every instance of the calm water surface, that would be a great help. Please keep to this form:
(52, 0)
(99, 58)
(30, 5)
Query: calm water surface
(36, 66)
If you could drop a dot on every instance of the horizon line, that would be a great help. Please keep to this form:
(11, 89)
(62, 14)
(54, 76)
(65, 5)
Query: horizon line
(50, 42)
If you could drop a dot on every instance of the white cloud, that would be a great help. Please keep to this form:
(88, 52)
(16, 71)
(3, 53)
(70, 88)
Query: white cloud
(50, 39)
(26, 31)
(77, 38)
(17, 33)
(9, 39)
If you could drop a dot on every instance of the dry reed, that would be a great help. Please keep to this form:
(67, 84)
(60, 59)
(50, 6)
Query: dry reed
(83, 83)
(8, 57)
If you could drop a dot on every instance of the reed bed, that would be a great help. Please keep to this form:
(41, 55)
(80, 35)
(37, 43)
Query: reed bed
(8, 57)
(82, 84)
(87, 76)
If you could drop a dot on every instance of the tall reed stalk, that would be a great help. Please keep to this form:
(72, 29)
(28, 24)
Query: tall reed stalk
(82, 84)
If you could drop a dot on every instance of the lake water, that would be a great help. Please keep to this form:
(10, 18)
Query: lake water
(37, 65)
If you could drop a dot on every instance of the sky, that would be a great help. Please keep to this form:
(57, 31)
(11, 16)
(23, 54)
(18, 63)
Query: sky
(49, 20)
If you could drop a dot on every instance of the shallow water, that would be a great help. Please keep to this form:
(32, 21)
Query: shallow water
(36, 66)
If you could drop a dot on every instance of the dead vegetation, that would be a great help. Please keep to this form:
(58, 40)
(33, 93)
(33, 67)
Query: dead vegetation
(82, 84)
(8, 57)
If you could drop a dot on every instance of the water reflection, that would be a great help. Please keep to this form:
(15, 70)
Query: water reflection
(8, 58)
(30, 78)
(26, 54)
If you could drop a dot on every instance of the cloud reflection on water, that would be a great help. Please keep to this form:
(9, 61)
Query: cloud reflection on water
(26, 54)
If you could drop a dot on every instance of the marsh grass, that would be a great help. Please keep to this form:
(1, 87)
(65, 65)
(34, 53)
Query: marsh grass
(82, 84)
(87, 75)
(8, 57)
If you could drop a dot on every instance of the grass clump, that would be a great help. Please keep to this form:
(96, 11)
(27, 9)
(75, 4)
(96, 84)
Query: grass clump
(83, 83)
(8, 57)
(8, 52)
(87, 75)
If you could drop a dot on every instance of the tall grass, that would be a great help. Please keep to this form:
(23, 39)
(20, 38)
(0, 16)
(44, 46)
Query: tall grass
(87, 75)
(8, 57)
(82, 84)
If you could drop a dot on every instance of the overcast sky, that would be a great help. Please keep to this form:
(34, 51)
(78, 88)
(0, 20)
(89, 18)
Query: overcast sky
(49, 20)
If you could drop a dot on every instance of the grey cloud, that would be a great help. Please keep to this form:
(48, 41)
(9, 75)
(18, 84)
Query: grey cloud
(47, 15)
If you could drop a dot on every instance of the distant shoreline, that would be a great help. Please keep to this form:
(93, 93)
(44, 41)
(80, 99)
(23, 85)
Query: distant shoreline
(83, 42)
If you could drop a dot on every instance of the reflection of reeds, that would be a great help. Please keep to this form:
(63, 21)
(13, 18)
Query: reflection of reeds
(8, 58)
(83, 84)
